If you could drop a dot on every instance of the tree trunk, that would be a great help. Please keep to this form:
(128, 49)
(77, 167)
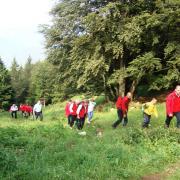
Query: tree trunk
(133, 86)
(121, 82)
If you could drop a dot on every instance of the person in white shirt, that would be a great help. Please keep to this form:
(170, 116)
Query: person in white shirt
(91, 106)
(13, 110)
(37, 110)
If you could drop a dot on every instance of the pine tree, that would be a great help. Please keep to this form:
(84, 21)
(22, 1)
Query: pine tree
(6, 94)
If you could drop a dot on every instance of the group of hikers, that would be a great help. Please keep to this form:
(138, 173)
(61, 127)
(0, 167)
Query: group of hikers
(76, 111)
(149, 109)
(27, 110)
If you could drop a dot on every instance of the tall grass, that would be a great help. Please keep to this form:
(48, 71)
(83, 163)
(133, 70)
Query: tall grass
(32, 149)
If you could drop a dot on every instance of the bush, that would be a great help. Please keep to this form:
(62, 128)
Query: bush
(5, 105)
(100, 100)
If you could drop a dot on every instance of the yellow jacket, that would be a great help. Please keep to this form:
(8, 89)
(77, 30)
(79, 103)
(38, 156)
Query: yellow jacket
(150, 109)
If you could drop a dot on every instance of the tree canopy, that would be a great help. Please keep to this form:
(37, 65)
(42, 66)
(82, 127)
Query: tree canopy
(100, 46)
(114, 46)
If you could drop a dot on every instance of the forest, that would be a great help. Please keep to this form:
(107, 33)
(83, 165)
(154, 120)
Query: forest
(100, 47)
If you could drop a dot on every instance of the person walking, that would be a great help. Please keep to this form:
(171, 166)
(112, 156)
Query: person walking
(72, 109)
(37, 110)
(91, 106)
(149, 109)
(122, 105)
(81, 114)
(173, 107)
(13, 110)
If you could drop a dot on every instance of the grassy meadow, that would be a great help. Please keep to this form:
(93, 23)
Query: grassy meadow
(49, 149)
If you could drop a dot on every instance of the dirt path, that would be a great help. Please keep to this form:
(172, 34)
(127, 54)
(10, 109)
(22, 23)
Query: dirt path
(163, 175)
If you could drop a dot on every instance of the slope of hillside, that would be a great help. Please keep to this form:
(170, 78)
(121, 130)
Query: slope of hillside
(32, 149)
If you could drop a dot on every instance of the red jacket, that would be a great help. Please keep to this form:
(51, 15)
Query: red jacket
(28, 109)
(82, 110)
(123, 104)
(74, 109)
(172, 103)
(22, 108)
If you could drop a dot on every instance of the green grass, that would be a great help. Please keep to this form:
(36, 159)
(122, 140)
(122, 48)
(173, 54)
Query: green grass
(50, 150)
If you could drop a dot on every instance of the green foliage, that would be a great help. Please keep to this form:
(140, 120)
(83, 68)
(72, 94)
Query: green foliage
(6, 93)
(50, 150)
(18, 81)
(101, 47)
(143, 65)
(5, 105)
(113, 46)
(8, 162)
(43, 81)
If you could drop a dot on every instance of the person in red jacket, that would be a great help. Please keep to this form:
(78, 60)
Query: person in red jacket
(173, 107)
(81, 114)
(122, 105)
(72, 109)
(67, 110)
(22, 109)
(29, 110)
(26, 110)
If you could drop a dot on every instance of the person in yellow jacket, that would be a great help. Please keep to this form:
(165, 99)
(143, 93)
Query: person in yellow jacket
(149, 109)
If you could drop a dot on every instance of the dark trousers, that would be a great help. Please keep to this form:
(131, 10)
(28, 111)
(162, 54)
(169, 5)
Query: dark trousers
(69, 119)
(168, 119)
(39, 114)
(120, 118)
(26, 114)
(80, 123)
(14, 114)
(146, 121)
(72, 119)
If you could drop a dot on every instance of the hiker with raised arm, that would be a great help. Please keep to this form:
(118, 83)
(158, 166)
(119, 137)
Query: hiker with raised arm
(173, 107)
(122, 105)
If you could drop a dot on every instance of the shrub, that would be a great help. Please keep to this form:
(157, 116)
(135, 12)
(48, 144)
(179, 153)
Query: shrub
(5, 105)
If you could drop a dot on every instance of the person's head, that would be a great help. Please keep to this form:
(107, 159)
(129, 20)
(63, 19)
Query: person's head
(86, 101)
(39, 102)
(77, 101)
(177, 90)
(92, 99)
(154, 100)
(129, 95)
